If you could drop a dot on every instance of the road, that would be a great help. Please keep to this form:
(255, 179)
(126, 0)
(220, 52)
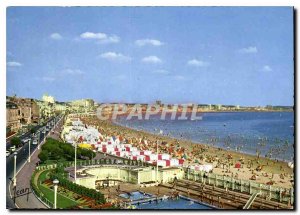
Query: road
(25, 170)
(25, 135)
(23, 177)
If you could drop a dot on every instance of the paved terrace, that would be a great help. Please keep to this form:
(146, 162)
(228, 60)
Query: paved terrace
(218, 197)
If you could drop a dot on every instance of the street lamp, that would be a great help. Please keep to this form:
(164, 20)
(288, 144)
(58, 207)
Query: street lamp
(39, 140)
(157, 161)
(55, 182)
(44, 132)
(15, 169)
(75, 162)
(29, 149)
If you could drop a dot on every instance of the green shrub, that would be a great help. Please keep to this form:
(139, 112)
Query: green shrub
(43, 155)
(99, 197)
(15, 141)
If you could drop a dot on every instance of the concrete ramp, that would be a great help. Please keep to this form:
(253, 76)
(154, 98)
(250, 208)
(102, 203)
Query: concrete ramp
(251, 200)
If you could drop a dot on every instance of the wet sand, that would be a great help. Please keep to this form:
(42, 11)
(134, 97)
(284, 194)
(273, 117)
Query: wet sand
(264, 170)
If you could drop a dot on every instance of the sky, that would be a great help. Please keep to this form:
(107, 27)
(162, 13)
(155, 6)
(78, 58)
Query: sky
(205, 55)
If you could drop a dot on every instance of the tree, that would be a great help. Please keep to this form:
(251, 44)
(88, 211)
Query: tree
(33, 130)
(43, 156)
(15, 141)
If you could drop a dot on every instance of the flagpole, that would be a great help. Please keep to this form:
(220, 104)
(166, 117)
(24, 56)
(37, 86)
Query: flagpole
(160, 132)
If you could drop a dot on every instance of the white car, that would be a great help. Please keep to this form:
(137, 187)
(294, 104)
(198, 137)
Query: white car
(13, 148)
(34, 142)
(7, 153)
(26, 139)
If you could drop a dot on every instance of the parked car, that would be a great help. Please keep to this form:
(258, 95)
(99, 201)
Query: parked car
(13, 148)
(26, 139)
(7, 153)
(34, 142)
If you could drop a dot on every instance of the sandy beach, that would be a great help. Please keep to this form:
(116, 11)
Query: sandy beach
(258, 169)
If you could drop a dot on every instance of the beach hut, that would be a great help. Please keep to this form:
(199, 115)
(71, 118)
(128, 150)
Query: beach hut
(147, 152)
(134, 149)
(135, 153)
(174, 162)
(161, 163)
(141, 157)
(153, 157)
(166, 156)
(181, 161)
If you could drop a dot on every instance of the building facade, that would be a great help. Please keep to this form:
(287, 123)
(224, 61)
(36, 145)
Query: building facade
(82, 105)
(20, 112)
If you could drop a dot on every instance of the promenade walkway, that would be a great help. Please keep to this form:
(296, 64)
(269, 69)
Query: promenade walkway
(30, 201)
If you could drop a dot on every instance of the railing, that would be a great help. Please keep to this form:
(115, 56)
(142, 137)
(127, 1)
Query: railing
(244, 186)
(269, 192)
(38, 193)
(43, 199)
(102, 161)
(250, 201)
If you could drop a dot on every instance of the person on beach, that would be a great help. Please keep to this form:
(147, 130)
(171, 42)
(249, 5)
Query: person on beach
(173, 147)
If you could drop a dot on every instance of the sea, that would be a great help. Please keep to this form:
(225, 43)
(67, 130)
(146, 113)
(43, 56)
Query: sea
(269, 134)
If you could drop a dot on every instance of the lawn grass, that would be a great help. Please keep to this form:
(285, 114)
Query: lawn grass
(62, 201)
(43, 176)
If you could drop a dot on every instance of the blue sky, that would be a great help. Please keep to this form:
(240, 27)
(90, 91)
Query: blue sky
(212, 55)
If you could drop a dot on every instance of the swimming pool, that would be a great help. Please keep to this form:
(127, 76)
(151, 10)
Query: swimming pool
(180, 203)
(136, 195)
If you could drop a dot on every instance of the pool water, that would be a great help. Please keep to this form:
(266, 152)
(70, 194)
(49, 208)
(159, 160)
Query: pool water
(136, 195)
(179, 203)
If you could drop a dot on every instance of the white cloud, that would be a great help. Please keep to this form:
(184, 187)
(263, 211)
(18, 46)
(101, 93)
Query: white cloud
(250, 49)
(115, 56)
(151, 59)
(198, 63)
(161, 71)
(266, 68)
(110, 39)
(13, 64)
(152, 42)
(48, 79)
(56, 36)
(73, 71)
(91, 35)
(100, 37)
(179, 77)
